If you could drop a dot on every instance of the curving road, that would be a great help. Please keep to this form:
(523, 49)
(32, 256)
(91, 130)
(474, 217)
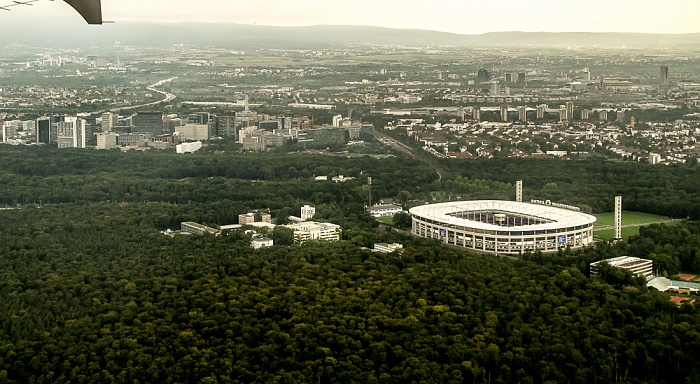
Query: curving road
(168, 97)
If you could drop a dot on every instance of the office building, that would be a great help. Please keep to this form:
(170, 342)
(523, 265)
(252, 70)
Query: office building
(43, 130)
(109, 121)
(307, 212)
(654, 158)
(249, 218)
(71, 132)
(4, 131)
(639, 267)
(188, 147)
(226, 126)
(663, 75)
(483, 76)
(151, 122)
(585, 114)
(541, 110)
(509, 77)
(385, 210)
(603, 115)
(106, 140)
(310, 230)
(387, 248)
(198, 229)
(261, 242)
(193, 132)
(562, 113)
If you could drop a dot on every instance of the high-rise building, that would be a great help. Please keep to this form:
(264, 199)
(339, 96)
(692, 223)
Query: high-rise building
(521, 78)
(504, 113)
(509, 77)
(541, 110)
(522, 113)
(569, 110)
(337, 119)
(109, 121)
(562, 113)
(603, 115)
(4, 133)
(43, 130)
(151, 122)
(585, 114)
(663, 75)
(620, 115)
(106, 140)
(71, 132)
(476, 113)
(586, 74)
(483, 76)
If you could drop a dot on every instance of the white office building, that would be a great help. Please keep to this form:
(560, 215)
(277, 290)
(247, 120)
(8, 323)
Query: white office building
(310, 230)
(307, 212)
(385, 210)
(387, 248)
(71, 132)
(640, 267)
(189, 147)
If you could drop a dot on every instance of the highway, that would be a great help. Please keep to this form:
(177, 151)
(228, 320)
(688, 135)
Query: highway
(167, 96)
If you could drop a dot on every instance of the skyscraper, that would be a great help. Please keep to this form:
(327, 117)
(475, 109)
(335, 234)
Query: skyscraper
(483, 76)
(71, 132)
(541, 110)
(43, 130)
(4, 133)
(522, 113)
(151, 122)
(476, 113)
(109, 120)
(569, 110)
(663, 75)
(504, 113)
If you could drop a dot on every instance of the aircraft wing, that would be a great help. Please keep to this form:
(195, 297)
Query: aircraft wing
(91, 10)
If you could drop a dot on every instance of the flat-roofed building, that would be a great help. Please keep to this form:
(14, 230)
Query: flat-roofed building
(197, 229)
(639, 267)
(307, 212)
(261, 242)
(385, 210)
(106, 140)
(310, 230)
(388, 248)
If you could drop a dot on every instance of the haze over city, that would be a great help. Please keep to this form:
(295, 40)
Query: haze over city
(360, 192)
(464, 17)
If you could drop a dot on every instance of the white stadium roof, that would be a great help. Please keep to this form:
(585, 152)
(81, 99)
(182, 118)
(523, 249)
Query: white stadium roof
(560, 217)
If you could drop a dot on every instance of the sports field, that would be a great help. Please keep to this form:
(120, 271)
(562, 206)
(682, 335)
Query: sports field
(631, 221)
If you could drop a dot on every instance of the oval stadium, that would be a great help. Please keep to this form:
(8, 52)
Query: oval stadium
(503, 227)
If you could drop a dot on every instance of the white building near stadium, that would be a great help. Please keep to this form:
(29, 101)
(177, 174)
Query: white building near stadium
(503, 227)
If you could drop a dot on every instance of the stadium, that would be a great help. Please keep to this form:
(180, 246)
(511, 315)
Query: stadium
(503, 227)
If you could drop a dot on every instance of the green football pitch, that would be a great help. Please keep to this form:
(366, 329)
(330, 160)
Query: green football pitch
(631, 221)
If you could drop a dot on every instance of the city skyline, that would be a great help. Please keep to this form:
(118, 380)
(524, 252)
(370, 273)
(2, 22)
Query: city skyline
(675, 17)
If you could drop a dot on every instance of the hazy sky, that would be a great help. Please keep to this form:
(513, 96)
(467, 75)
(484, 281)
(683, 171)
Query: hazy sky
(459, 16)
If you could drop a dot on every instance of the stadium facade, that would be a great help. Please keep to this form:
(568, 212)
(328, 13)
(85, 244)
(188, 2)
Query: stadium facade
(503, 227)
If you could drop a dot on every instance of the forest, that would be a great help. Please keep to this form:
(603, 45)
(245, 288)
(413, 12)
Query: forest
(92, 292)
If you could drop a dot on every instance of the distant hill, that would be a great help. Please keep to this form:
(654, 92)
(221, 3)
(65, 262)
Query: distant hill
(233, 36)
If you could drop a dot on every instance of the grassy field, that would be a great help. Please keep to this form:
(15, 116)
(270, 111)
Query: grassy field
(631, 221)
(386, 220)
(629, 218)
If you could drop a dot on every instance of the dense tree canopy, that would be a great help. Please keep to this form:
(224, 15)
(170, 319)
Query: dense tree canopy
(91, 292)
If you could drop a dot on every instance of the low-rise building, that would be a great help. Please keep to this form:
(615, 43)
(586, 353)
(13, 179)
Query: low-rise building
(388, 248)
(639, 267)
(260, 242)
(385, 210)
(189, 147)
(310, 230)
(197, 229)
